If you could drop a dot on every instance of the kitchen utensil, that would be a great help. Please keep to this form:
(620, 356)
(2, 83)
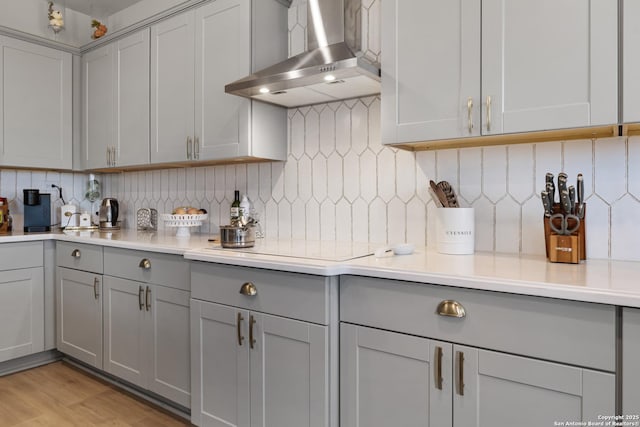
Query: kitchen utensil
(565, 203)
(572, 199)
(440, 194)
(435, 198)
(147, 219)
(550, 187)
(545, 203)
(452, 200)
(235, 237)
(580, 196)
(569, 223)
(109, 210)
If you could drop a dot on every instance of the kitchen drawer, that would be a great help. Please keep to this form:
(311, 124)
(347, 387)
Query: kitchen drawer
(163, 269)
(293, 295)
(571, 332)
(19, 255)
(80, 256)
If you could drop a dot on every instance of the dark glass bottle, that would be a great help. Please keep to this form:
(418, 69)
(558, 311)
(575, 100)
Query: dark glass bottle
(235, 208)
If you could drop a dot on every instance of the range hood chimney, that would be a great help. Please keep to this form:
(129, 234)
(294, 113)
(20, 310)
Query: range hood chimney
(332, 68)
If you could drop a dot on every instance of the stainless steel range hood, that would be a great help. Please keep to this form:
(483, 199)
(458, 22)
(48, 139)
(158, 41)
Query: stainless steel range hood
(332, 68)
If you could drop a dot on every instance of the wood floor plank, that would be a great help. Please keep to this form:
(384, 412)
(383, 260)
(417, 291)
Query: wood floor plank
(59, 394)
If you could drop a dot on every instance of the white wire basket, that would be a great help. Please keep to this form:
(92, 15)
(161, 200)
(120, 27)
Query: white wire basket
(183, 222)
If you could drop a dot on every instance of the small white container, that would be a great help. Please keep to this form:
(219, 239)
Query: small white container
(69, 216)
(455, 231)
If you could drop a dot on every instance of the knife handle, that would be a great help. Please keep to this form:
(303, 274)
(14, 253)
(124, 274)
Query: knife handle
(565, 201)
(572, 199)
(545, 203)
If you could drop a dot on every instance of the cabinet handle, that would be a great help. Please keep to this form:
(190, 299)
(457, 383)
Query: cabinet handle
(115, 157)
(196, 148)
(438, 378)
(460, 373)
(469, 114)
(108, 156)
(141, 297)
(189, 147)
(488, 112)
(249, 289)
(252, 321)
(147, 298)
(96, 285)
(238, 325)
(145, 263)
(451, 308)
(76, 253)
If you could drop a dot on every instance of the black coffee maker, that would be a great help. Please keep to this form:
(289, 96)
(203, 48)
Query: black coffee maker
(37, 211)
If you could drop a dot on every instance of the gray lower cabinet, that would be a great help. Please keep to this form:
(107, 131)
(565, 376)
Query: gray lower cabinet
(79, 301)
(79, 315)
(263, 350)
(395, 379)
(146, 321)
(146, 337)
(630, 361)
(409, 359)
(22, 299)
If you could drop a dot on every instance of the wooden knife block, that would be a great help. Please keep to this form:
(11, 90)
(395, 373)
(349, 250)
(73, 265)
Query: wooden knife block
(567, 249)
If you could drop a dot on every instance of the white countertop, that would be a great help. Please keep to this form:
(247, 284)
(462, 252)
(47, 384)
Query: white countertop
(601, 281)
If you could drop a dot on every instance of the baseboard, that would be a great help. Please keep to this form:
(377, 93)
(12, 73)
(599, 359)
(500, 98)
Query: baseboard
(153, 398)
(28, 362)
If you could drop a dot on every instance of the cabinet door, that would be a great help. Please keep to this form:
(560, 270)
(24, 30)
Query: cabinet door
(97, 106)
(21, 313)
(430, 69)
(391, 379)
(630, 363)
(220, 365)
(289, 372)
(79, 315)
(169, 362)
(125, 337)
(500, 388)
(222, 37)
(131, 85)
(172, 88)
(548, 64)
(36, 113)
(631, 70)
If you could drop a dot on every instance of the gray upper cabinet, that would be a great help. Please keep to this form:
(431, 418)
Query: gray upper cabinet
(97, 107)
(36, 105)
(193, 56)
(440, 81)
(172, 88)
(631, 68)
(430, 69)
(131, 99)
(116, 103)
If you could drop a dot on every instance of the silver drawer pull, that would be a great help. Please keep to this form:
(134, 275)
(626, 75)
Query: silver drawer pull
(451, 308)
(249, 289)
(76, 253)
(145, 263)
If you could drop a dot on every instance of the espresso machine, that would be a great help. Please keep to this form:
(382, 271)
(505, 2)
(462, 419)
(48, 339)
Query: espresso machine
(37, 211)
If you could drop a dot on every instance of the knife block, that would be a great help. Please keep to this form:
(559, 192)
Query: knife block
(566, 249)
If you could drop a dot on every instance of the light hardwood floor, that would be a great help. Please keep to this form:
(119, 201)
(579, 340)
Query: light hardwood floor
(59, 394)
